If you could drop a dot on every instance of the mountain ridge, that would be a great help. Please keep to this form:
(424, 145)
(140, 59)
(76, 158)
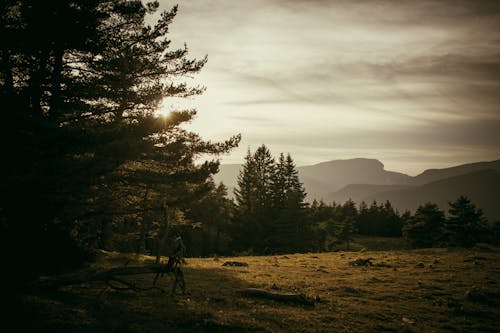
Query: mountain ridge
(363, 179)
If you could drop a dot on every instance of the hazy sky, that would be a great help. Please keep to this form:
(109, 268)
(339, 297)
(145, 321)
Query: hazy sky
(415, 84)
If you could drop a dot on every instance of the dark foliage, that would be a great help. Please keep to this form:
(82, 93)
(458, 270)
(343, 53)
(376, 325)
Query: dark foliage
(466, 224)
(271, 213)
(425, 227)
(85, 153)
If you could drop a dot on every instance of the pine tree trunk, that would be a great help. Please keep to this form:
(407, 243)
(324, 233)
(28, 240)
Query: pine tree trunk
(160, 245)
(35, 86)
(143, 232)
(7, 71)
(55, 101)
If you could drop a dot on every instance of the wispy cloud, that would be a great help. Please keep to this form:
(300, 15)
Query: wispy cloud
(339, 76)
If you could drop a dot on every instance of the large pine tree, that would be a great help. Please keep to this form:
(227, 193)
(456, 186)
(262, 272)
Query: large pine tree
(254, 200)
(81, 81)
(292, 227)
(270, 204)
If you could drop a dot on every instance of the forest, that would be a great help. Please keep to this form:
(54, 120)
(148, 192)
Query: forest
(89, 163)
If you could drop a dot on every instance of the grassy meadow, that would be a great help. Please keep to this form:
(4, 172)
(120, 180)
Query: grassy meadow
(429, 290)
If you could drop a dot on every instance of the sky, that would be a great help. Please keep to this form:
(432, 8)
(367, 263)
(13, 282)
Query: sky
(415, 84)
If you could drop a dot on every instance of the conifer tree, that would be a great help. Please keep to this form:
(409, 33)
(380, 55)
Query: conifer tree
(271, 207)
(213, 215)
(292, 227)
(254, 199)
(424, 229)
(342, 225)
(85, 79)
(245, 192)
(342, 231)
(279, 181)
(466, 224)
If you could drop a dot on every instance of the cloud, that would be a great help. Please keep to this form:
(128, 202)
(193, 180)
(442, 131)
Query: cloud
(361, 76)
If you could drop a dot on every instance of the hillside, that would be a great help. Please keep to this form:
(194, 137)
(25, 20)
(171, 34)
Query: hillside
(360, 192)
(321, 180)
(338, 173)
(482, 187)
(433, 175)
(432, 290)
(366, 180)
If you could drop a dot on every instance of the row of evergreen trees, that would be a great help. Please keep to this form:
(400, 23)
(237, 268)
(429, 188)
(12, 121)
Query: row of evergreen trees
(270, 215)
(338, 223)
(464, 226)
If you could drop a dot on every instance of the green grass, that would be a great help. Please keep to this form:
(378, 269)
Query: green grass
(454, 291)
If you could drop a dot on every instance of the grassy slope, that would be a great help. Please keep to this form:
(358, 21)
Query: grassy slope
(397, 296)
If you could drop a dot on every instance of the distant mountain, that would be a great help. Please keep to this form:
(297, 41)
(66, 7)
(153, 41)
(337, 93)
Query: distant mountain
(366, 180)
(321, 180)
(482, 187)
(360, 192)
(432, 175)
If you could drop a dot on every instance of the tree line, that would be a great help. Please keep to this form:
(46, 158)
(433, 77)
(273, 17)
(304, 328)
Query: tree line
(270, 215)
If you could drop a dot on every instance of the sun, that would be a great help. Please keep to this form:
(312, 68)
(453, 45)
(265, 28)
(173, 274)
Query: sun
(163, 112)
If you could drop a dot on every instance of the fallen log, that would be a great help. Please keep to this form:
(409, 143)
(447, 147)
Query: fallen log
(85, 276)
(113, 275)
(277, 296)
(235, 263)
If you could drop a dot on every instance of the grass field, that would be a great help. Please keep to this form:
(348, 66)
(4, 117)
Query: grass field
(431, 290)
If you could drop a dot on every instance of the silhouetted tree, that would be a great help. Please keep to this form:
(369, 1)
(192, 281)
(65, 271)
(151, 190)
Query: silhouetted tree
(214, 213)
(319, 214)
(292, 229)
(270, 202)
(342, 231)
(82, 81)
(424, 229)
(40, 41)
(254, 199)
(379, 220)
(465, 224)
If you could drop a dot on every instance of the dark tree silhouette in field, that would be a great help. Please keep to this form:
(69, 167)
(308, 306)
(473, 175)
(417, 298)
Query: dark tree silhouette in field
(291, 230)
(465, 225)
(215, 214)
(379, 220)
(254, 199)
(42, 47)
(319, 214)
(343, 224)
(270, 211)
(333, 224)
(81, 82)
(425, 227)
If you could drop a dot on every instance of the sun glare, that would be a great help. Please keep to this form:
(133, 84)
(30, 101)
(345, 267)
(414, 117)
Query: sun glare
(163, 112)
